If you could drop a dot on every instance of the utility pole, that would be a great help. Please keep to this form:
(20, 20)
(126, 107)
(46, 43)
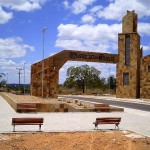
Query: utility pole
(19, 72)
(7, 79)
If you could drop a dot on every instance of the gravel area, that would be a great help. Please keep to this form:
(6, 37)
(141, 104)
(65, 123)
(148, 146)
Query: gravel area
(106, 140)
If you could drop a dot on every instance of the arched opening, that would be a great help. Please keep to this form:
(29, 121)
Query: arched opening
(103, 86)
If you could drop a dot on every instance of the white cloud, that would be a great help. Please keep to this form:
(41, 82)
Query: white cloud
(118, 8)
(78, 6)
(66, 4)
(6, 63)
(146, 48)
(31, 48)
(114, 11)
(4, 16)
(88, 19)
(98, 33)
(144, 29)
(20, 5)
(26, 6)
(13, 47)
(96, 9)
(100, 37)
(8, 67)
(69, 44)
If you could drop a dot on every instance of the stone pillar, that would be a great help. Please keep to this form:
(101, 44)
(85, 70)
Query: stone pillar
(145, 77)
(128, 68)
(52, 84)
(50, 79)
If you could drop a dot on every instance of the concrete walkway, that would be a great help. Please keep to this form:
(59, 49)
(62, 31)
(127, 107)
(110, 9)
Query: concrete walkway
(133, 120)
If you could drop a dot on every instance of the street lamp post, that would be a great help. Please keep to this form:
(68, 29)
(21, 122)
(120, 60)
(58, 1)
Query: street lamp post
(109, 80)
(24, 78)
(43, 31)
(7, 79)
(19, 72)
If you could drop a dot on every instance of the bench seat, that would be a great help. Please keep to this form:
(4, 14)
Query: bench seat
(27, 121)
(102, 107)
(26, 107)
(107, 120)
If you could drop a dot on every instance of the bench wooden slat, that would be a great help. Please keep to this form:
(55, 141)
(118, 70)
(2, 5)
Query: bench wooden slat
(103, 119)
(27, 120)
(102, 108)
(26, 104)
(27, 124)
(107, 122)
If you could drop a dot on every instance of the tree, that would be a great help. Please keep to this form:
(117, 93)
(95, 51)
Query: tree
(70, 83)
(82, 77)
(3, 81)
(112, 82)
(2, 75)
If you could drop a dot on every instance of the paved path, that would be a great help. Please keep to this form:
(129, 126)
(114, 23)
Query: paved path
(134, 120)
(130, 103)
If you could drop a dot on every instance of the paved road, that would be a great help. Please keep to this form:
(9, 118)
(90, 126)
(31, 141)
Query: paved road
(128, 104)
(135, 120)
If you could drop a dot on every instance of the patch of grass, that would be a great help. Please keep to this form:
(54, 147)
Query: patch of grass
(95, 91)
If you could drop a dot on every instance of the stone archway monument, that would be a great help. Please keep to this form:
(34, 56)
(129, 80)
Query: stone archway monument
(53, 64)
(133, 70)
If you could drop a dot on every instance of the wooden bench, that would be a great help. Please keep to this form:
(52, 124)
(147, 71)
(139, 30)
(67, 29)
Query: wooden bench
(102, 107)
(27, 121)
(26, 107)
(107, 120)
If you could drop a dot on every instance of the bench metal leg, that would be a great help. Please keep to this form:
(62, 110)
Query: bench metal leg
(40, 127)
(14, 128)
(116, 126)
(96, 125)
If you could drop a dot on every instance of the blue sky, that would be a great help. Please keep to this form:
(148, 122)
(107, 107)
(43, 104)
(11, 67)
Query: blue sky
(87, 25)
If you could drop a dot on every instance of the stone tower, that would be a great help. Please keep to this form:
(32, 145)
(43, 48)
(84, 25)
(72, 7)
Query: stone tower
(128, 68)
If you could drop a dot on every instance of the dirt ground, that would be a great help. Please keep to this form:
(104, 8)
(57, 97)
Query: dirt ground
(99, 140)
(94, 140)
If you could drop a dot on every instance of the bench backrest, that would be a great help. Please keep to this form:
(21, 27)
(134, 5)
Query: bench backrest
(108, 119)
(26, 105)
(27, 120)
(101, 105)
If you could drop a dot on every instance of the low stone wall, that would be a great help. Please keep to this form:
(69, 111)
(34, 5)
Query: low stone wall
(64, 105)
(9, 100)
(47, 107)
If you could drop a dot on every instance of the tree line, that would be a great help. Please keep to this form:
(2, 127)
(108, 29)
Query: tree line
(85, 77)
(80, 78)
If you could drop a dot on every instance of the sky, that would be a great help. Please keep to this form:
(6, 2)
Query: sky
(84, 25)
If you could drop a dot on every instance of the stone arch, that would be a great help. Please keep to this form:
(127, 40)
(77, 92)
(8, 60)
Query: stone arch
(53, 64)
